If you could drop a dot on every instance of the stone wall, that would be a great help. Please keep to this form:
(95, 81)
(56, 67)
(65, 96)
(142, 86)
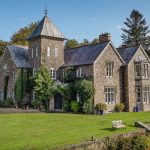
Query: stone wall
(101, 80)
(9, 70)
(102, 144)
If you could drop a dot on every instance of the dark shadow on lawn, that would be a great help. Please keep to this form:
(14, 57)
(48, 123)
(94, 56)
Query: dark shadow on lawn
(108, 129)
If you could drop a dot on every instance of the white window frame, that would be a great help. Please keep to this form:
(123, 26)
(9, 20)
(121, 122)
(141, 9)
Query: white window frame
(32, 52)
(146, 94)
(56, 52)
(48, 51)
(109, 69)
(36, 52)
(53, 73)
(79, 72)
(5, 67)
(110, 95)
(145, 71)
(138, 92)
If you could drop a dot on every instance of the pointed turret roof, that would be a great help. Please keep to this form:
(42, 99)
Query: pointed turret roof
(46, 28)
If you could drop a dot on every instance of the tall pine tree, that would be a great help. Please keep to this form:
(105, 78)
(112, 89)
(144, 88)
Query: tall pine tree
(136, 30)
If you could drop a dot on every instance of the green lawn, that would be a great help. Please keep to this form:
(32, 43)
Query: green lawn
(40, 130)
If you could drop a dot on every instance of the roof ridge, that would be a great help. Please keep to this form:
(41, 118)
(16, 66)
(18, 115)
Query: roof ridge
(86, 45)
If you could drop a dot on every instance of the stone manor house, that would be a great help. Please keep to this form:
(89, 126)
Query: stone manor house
(119, 74)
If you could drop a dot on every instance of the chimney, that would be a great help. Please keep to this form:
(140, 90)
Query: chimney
(104, 37)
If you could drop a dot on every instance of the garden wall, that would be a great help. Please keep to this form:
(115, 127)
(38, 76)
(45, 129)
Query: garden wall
(102, 144)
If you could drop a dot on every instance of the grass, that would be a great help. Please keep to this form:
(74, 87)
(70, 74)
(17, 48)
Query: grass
(52, 130)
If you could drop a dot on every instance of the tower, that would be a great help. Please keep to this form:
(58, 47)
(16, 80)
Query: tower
(46, 46)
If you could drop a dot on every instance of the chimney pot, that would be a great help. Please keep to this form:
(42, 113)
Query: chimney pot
(104, 37)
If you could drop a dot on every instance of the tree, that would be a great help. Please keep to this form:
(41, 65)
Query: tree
(136, 31)
(95, 41)
(85, 42)
(2, 47)
(43, 87)
(71, 44)
(20, 37)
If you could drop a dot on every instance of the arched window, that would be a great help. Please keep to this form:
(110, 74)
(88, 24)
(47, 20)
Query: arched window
(56, 52)
(48, 51)
(36, 54)
(32, 52)
(53, 73)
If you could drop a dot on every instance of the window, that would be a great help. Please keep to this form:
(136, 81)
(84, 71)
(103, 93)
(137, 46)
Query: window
(145, 71)
(109, 69)
(79, 72)
(5, 66)
(137, 70)
(53, 73)
(36, 52)
(1, 95)
(146, 94)
(34, 72)
(33, 96)
(56, 52)
(14, 77)
(138, 94)
(32, 52)
(48, 51)
(110, 94)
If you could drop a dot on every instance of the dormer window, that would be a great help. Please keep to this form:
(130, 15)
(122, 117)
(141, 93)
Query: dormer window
(48, 51)
(109, 69)
(56, 52)
(32, 52)
(36, 52)
(53, 73)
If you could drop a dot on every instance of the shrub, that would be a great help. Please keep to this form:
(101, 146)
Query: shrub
(119, 107)
(75, 106)
(66, 105)
(88, 107)
(8, 103)
(101, 106)
(37, 104)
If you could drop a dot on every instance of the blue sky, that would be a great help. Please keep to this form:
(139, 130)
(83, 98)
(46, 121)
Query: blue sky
(77, 19)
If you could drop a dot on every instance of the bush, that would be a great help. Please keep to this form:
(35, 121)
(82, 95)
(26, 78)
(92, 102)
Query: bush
(119, 107)
(75, 106)
(139, 142)
(66, 105)
(88, 107)
(101, 106)
(37, 104)
(8, 103)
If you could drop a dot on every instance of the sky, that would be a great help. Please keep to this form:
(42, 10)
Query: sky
(76, 19)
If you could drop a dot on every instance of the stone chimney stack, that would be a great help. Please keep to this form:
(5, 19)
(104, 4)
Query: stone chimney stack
(104, 37)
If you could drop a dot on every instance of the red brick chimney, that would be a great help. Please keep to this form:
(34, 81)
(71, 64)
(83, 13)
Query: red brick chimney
(104, 37)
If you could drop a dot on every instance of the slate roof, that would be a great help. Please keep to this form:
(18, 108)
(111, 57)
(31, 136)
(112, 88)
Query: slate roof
(19, 55)
(83, 55)
(127, 53)
(46, 28)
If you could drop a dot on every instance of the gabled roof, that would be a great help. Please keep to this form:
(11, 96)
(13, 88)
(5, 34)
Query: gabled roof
(127, 53)
(46, 28)
(19, 55)
(83, 55)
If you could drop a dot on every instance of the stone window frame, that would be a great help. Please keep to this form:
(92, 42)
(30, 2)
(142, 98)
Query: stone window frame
(109, 94)
(5, 67)
(48, 51)
(56, 52)
(146, 94)
(79, 72)
(53, 73)
(109, 68)
(145, 71)
(14, 77)
(138, 90)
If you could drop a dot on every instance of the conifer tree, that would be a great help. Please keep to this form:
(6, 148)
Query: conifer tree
(136, 30)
